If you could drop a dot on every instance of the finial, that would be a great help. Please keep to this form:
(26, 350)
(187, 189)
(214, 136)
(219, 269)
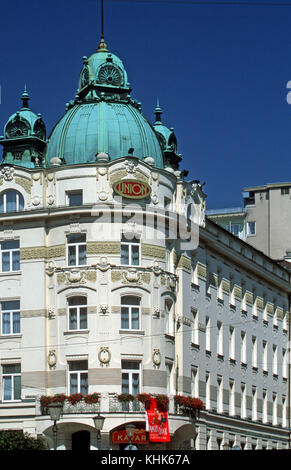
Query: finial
(158, 112)
(25, 98)
(102, 46)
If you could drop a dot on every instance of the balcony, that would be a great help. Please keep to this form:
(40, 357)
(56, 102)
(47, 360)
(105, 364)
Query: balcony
(110, 403)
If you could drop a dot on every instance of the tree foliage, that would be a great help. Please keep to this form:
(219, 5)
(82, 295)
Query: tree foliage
(17, 440)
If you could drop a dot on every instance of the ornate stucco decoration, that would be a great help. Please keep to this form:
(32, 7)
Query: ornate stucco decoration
(25, 183)
(153, 251)
(7, 173)
(104, 356)
(156, 358)
(35, 201)
(51, 313)
(131, 275)
(130, 166)
(156, 312)
(103, 264)
(169, 280)
(103, 308)
(76, 276)
(51, 199)
(182, 320)
(52, 358)
(95, 248)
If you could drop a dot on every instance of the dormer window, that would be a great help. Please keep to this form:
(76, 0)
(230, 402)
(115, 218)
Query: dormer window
(11, 201)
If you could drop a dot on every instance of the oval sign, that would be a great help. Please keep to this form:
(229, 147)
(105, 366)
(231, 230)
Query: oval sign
(132, 189)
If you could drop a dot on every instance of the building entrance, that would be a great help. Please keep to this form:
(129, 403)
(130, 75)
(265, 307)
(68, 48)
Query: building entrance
(81, 441)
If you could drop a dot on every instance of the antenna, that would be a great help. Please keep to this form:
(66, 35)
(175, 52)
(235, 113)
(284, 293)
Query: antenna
(102, 46)
(102, 20)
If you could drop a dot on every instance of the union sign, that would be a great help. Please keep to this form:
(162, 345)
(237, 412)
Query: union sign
(132, 189)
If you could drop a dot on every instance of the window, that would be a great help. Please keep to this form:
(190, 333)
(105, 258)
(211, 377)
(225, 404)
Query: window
(231, 398)
(130, 313)
(219, 339)
(243, 353)
(207, 398)
(10, 256)
(10, 321)
(76, 245)
(265, 356)
(275, 410)
(11, 379)
(284, 190)
(219, 395)
(231, 343)
(169, 317)
(275, 359)
(170, 378)
(254, 352)
(254, 403)
(265, 406)
(243, 401)
(130, 379)
(235, 229)
(195, 327)
(194, 382)
(78, 377)
(75, 198)
(285, 364)
(130, 252)
(207, 332)
(77, 313)
(251, 228)
(11, 201)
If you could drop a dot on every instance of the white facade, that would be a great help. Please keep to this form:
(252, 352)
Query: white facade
(198, 325)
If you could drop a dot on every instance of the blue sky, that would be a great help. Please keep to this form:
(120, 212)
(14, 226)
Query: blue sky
(220, 73)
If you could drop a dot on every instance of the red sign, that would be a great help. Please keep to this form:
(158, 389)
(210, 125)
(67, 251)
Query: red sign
(132, 189)
(120, 437)
(157, 424)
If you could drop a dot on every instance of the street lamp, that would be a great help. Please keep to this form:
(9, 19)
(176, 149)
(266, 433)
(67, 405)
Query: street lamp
(130, 428)
(98, 423)
(55, 411)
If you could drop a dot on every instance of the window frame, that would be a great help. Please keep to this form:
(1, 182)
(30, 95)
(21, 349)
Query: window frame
(130, 307)
(77, 246)
(19, 200)
(11, 251)
(129, 244)
(13, 376)
(74, 193)
(78, 373)
(11, 313)
(78, 307)
(249, 232)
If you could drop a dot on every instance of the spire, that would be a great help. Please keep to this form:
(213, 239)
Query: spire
(158, 112)
(25, 99)
(102, 46)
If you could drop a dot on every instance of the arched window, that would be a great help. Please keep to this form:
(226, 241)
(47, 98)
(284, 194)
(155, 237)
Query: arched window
(130, 312)
(11, 201)
(77, 313)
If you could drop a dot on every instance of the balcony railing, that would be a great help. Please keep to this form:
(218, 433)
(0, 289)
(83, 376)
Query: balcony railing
(109, 403)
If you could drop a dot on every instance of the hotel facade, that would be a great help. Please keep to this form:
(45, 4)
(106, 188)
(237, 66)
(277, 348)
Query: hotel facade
(113, 281)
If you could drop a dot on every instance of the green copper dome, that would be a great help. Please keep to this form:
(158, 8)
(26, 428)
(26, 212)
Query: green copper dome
(110, 127)
(103, 118)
